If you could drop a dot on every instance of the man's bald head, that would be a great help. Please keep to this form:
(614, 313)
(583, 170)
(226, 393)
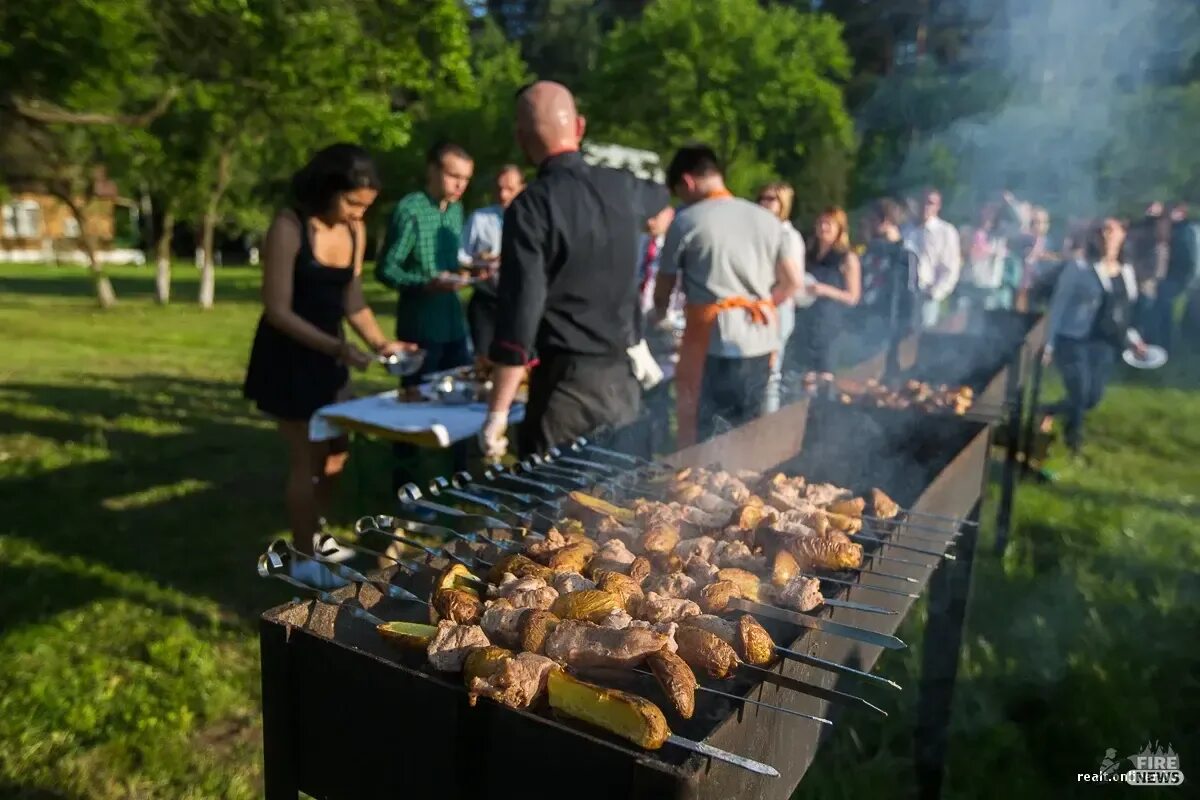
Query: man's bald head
(547, 121)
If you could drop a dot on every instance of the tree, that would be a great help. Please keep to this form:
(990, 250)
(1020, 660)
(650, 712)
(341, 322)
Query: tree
(70, 75)
(763, 86)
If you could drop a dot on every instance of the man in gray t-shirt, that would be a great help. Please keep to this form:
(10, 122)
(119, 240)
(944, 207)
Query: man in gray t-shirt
(736, 265)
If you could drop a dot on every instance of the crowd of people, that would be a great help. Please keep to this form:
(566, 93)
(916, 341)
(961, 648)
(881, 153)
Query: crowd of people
(573, 271)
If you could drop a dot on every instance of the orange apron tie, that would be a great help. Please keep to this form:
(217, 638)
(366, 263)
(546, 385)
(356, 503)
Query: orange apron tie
(689, 371)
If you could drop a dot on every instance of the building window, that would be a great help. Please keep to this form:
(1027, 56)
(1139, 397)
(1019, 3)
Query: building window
(28, 220)
(9, 230)
(70, 227)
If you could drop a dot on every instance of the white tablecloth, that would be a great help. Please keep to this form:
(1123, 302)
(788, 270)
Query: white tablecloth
(423, 423)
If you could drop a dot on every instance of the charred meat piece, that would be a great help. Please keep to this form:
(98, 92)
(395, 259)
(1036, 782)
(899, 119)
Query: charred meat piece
(800, 593)
(676, 679)
(720, 627)
(824, 553)
(609, 529)
(613, 555)
(700, 570)
(566, 582)
(521, 566)
(749, 584)
(738, 555)
(617, 620)
(656, 608)
(640, 569)
(714, 598)
(701, 546)
(622, 586)
(852, 507)
(502, 623)
(572, 558)
(883, 506)
(591, 605)
(584, 644)
(516, 683)
(542, 550)
(453, 643)
(457, 605)
(524, 592)
(667, 629)
(672, 584)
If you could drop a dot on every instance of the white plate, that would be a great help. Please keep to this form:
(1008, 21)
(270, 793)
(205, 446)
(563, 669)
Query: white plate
(1155, 357)
(802, 298)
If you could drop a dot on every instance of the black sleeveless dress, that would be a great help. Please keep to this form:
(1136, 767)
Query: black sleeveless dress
(817, 326)
(285, 378)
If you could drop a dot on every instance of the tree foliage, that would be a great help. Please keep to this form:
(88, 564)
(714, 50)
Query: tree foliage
(762, 86)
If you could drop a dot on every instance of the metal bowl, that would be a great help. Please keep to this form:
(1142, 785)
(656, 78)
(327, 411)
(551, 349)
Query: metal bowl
(451, 391)
(403, 364)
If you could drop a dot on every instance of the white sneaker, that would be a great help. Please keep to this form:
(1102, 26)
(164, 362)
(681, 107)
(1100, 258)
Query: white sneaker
(335, 553)
(315, 574)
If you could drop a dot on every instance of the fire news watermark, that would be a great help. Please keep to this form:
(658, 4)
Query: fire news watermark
(1153, 766)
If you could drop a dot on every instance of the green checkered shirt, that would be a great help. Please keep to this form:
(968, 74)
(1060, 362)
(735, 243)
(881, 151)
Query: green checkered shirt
(422, 240)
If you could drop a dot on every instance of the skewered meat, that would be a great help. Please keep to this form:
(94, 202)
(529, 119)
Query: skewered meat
(609, 529)
(453, 643)
(565, 582)
(721, 628)
(738, 555)
(883, 506)
(661, 529)
(640, 569)
(671, 584)
(852, 507)
(749, 639)
(456, 605)
(824, 552)
(706, 653)
(800, 593)
(613, 555)
(701, 546)
(700, 570)
(810, 522)
(667, 629)
(521, 566)
(784, 567)
(502, 623)
(592, 605)
(715, 597)
(554, 541)
(822, 494)
(518, 681)
(747, 582)
(656, 608)
(584, 644)
(617, 620)
(572, 558)
(524, 592)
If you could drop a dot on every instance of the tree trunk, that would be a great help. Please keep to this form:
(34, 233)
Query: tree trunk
(208, 276)
(162, 256)
(106, 296)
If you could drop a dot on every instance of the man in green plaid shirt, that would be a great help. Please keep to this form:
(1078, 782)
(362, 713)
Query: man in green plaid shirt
(420, 260)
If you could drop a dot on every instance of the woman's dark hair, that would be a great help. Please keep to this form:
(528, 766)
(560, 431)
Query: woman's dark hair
(1094, 244)
(888, 210)
(333, 170)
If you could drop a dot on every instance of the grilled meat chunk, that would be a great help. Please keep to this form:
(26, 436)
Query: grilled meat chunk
(720, 627)
(517, 682)
(883, 506)
(823, 552)
(502, 623)
(706, 653)
(524, 592)
(591, 604)
(802, 594)
(714, 598)
(822, 494)
(553, 542)
(640, 569)
(609, 529)
(656, 608)
(667, 629)
(452, 644)
(738, 555)
(701, 546)
(617, 620)
(620, 585)
(584, 644)
(676, 679)
(613, 555)
(672, 584)
(700, 570)
(566, 582)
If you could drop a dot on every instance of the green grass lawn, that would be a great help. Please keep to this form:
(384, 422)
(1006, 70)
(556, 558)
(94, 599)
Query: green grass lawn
(137, 488)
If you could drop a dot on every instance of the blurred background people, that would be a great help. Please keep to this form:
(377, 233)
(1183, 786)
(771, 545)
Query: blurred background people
(1183, 266)
(480, 252)
(834, 278)
(1090, 323)
(777, 197)
(939, 255)
(1148, 247)
(889, 282)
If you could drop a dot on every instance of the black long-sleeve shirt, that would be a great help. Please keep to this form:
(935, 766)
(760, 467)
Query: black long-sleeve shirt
(568, 261)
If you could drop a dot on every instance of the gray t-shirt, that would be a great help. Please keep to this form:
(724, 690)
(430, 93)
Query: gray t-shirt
(728, 247)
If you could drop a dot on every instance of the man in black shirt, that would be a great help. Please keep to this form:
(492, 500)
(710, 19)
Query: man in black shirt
(568, 284)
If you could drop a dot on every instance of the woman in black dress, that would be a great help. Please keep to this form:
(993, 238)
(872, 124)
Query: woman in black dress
(834, 277)
(312, 281)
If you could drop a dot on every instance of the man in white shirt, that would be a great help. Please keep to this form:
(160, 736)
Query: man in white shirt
(939, 256)
(480, 249)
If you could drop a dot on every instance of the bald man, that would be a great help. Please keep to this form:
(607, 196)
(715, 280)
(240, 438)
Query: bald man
(568, 284)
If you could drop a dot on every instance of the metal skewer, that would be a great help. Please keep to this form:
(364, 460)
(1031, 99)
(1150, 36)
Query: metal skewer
(742, 699)
(327, 543)
(843, 582)
(270, 565)
(829, 695)
(817, 623)
(833, 666)
(281, 546)
(723, 755)
(436, 552)
(887, 542)
(970, 523)
(904, 523)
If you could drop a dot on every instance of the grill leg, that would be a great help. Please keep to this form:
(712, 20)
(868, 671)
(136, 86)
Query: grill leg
(279, 764)
(1035, 400)
(949, 588)
(1008, 480)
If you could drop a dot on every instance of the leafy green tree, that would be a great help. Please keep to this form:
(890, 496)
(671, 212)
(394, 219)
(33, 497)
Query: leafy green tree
(762, 86)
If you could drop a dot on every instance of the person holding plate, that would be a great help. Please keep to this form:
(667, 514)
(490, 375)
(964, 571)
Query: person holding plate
(1089, 323)
(480, 253)
(312, 282)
